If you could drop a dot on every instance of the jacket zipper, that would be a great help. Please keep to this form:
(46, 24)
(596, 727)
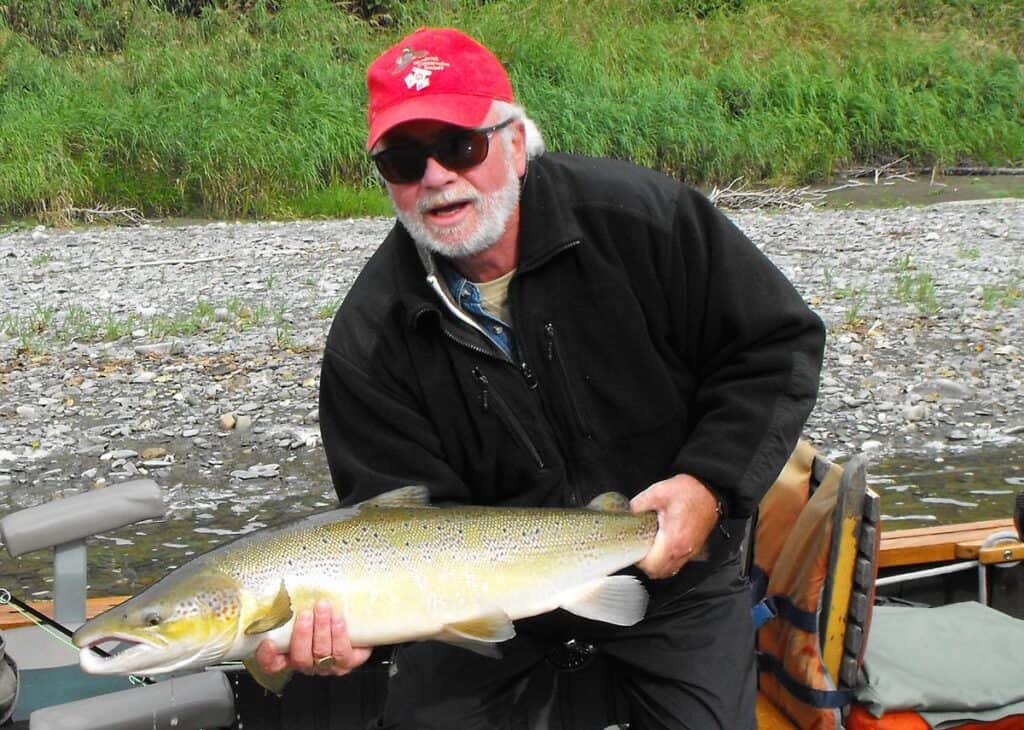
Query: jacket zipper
(487, 396)
(554, 355)
(495, 352)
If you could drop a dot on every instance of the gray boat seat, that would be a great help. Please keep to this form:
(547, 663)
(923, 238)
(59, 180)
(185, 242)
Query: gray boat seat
(201, 700)
(75, 518)
(63, 524)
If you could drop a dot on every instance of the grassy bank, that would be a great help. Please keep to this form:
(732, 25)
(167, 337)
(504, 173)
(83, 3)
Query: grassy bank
(195, 107)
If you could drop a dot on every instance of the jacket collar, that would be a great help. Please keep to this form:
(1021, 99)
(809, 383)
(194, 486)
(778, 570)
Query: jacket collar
(547, 220)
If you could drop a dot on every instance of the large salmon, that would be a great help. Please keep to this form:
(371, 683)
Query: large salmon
(396, 568)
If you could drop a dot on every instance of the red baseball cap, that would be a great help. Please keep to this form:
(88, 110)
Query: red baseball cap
(435, 73)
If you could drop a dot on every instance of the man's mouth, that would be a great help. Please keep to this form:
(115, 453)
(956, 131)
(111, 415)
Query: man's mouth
(448, 209)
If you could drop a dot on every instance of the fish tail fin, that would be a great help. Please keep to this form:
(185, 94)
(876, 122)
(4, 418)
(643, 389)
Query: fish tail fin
(617, 599)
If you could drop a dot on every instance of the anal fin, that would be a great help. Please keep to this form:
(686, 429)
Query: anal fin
(479, 634)
(274, 682)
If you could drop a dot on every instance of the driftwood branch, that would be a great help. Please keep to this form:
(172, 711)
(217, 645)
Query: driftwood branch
(979, 171)
(898, 169)
(120, 216)
(738, 197)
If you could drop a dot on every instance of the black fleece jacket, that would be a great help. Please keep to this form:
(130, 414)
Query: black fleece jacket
(653, 339)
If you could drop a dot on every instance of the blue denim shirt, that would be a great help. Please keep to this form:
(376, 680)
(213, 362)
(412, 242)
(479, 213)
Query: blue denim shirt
(467, 294)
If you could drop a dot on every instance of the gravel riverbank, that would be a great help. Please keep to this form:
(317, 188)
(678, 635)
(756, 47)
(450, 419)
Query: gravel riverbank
(212, 374)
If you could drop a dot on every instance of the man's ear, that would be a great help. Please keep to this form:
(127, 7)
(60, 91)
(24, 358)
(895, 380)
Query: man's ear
(519, 147)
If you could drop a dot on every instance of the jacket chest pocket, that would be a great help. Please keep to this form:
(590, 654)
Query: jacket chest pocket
(610, 377)
(493, 404)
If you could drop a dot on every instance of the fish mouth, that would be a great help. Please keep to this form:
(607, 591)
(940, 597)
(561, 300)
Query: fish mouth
(139, 656)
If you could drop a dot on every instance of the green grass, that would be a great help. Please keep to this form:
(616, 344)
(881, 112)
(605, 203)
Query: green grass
(328, 309)
(195, 107)
(1003, 295)
(46, 326)
(919, 290)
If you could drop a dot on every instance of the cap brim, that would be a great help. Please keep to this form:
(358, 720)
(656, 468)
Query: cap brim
(462, 110)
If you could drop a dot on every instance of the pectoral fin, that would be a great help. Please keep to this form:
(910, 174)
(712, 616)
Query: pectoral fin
(274, 682)
(617, 599)
(277, 613)
(480, 634)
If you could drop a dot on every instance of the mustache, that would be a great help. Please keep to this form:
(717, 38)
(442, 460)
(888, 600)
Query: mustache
(447, 197)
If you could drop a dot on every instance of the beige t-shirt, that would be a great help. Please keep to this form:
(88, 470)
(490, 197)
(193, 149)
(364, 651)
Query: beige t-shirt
(494, 296)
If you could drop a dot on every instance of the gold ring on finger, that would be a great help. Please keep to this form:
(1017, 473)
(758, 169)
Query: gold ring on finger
(325, 661)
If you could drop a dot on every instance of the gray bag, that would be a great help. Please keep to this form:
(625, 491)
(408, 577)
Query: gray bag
(8, 683)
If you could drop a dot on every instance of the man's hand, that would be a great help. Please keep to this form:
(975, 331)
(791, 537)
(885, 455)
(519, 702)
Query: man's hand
(319, 645)
(687, 514)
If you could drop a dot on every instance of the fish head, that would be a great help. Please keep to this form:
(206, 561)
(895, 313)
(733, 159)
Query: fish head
(183, 621)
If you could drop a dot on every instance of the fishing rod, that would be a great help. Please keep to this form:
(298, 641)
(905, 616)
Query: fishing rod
(41, 619)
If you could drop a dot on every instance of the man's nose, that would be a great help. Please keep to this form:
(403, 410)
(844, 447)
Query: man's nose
(437, 175)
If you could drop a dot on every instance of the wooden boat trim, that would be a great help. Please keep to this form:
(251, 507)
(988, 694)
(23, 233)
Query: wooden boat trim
(940, 543)
(11, 618)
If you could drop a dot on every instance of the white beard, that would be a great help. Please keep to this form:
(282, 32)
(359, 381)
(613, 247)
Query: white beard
(493, 213)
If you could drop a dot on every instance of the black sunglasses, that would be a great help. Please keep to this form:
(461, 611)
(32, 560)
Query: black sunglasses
(459, 150)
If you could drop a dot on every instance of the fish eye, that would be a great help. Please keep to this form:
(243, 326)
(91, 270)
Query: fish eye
(152, 619)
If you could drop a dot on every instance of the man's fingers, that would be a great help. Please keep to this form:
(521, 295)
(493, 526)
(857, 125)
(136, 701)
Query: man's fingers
(646, 501)
(323, 643)
(340, 642)
(300, 650)
(269, 657)
(654, 562)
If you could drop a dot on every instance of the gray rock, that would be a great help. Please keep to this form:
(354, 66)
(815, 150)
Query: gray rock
(945, 388)
(160, 348)
(117, 454)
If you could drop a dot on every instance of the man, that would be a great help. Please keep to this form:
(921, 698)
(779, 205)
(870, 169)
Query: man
(537, 329)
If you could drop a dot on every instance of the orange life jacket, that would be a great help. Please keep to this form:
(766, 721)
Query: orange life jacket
(793, 556)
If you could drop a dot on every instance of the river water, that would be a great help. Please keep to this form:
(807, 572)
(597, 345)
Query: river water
(205, 510)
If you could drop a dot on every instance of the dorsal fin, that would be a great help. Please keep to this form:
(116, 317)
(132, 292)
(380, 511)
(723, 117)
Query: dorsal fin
(609, 502)
(416, 496)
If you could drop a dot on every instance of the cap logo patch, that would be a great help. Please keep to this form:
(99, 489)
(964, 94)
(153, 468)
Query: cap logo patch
(423, 67)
